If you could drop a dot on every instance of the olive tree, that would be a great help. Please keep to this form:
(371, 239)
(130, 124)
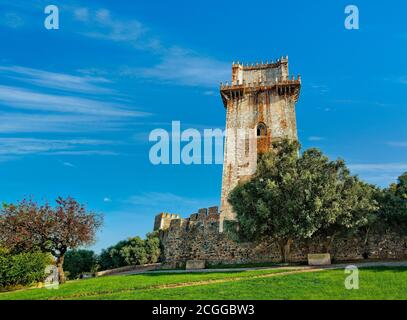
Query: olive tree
(296, 196)
(27, 226)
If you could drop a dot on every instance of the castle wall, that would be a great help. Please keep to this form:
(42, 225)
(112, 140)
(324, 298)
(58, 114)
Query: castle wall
(198, 238)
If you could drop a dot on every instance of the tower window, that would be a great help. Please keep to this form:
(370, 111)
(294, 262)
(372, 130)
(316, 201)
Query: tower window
(261, 130)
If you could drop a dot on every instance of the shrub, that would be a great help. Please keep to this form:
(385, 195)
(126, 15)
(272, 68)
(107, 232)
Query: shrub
(133, 251)
(22, 269)
(393, 206)
(79, 261)
(152, 245)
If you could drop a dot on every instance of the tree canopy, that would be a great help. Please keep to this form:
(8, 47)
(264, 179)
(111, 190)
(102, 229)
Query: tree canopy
(133, 251)
(27, 226)
(296, 196)
(393, 205)
(79, 261)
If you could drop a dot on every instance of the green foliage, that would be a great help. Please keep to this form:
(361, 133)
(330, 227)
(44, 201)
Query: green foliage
(22, 269)
(231, 228)
(133, 251)
(393, 206)
(152, 246)
(296, 197)
(77, 262)
(111, 257)
(28, 226)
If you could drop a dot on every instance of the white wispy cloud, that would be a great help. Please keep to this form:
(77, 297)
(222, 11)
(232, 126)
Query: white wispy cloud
(12, 20)
(6, 158)
(85, 153)
(321, 88)
(176, 64)
(383, 167)
(63, 81)
(61, 111)
(68, 164)
(100, 24)
(210, 93)
(400, 144)
(18, 122)
(21, 98)
(402, 80)
(379, 173)
(167, 201)
(315, 138)
(182, 66)
(23, 146)
(149, 198)
(346, 102)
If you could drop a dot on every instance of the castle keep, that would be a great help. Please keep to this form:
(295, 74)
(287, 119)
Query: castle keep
(260, 109)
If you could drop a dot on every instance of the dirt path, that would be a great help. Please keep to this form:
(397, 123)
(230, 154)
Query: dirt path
(296, 268)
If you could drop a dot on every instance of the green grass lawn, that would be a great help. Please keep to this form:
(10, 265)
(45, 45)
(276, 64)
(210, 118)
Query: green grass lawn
(375, 283)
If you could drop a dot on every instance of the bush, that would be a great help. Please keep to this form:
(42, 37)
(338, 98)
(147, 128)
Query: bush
(22, 269)
(79, 261)
(393, 206)
(133, 251)
(111, 257)
(152, 245)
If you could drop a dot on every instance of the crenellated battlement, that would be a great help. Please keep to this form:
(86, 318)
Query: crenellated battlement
(261, 65)
(271, 78)
(163, 220)
(251, 75)
(172, 222)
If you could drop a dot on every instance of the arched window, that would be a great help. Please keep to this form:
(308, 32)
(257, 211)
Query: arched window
(261, 130)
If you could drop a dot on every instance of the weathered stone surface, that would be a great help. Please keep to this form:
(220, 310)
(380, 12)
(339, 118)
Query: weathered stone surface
(195, 264)
(163, 220)
(200, 239)
(207, 243)
(319, 259)
(260, 108)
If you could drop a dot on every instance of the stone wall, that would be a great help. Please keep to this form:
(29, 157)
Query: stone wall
(198, 238)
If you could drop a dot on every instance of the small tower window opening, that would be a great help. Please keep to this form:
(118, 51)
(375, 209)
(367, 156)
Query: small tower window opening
(261, 130)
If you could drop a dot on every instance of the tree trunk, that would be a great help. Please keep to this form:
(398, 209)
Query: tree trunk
(328, 243)
(285, 247)
(59, 264)
(365, 244)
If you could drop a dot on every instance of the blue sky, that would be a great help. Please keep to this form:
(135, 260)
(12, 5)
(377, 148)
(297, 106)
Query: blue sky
(77, 104)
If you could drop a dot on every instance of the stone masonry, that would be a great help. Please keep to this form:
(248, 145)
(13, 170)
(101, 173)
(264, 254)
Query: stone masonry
(198, 238)
(260, 109)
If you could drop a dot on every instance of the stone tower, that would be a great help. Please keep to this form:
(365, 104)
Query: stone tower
(260, 109)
